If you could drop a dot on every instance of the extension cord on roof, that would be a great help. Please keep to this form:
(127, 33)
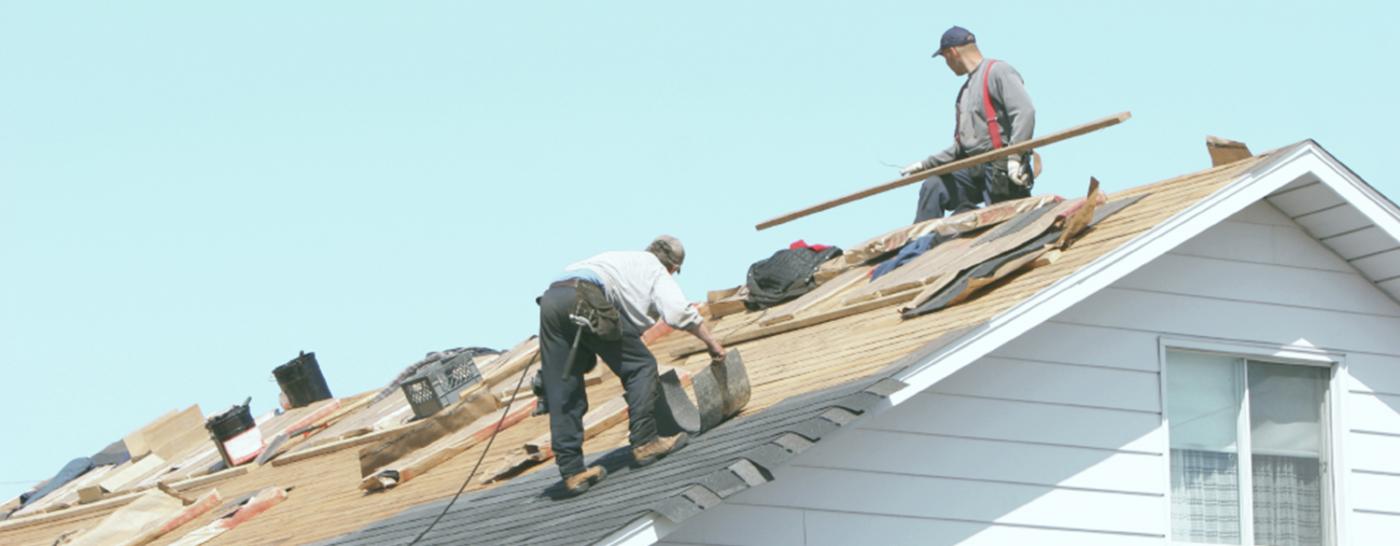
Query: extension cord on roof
(489, 441)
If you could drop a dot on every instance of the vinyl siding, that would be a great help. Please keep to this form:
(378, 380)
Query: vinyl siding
(1057, 437)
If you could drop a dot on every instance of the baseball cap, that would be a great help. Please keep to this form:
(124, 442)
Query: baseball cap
(954, 37)
(669, 250)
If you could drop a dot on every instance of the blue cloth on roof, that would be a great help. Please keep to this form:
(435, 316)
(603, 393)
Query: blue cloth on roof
(910, 250)
(69, 472)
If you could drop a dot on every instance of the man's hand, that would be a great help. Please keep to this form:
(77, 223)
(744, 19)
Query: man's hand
(914, 167)
(1017, 171)
(712, 345)
(717, 352)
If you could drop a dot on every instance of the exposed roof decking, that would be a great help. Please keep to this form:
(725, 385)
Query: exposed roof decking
(327, 503)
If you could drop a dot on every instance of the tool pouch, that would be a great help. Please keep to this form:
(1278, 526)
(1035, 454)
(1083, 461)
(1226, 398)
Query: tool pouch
(1000, 186)
(604, 319)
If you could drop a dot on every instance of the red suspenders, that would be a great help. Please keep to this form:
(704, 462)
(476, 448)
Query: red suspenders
(993, 125)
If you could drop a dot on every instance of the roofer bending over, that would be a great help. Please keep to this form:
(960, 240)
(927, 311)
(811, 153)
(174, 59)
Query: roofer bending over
(993, 111)
(618, 295)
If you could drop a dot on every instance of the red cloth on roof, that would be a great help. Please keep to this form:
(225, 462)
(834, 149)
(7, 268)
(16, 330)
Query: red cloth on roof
(803, 244)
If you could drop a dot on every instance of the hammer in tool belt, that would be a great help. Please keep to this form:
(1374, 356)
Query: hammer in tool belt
(578, 318)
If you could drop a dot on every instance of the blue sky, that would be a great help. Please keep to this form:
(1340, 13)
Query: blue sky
(190, 193)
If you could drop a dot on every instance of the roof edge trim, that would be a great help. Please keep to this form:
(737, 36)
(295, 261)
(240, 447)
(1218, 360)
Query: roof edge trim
(643, 531)
(1358, 193)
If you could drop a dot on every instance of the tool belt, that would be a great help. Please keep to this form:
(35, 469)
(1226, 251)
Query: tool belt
(604, 320)
(1000, 187)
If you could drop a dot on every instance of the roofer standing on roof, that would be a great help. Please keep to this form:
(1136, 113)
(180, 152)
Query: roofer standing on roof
(619, 294)
(993, 111)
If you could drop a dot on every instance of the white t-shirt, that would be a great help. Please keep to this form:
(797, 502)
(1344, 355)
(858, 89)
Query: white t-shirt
(640, 287)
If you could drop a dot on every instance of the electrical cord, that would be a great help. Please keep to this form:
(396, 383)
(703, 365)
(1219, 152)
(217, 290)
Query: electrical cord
(489, 441)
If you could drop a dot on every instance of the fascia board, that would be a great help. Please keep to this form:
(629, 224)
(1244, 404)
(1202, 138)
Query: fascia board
(643, 531)
(1357, 192)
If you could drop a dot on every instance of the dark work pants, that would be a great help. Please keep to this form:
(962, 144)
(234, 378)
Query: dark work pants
(628, 357)
(957, 191)
(963, 189)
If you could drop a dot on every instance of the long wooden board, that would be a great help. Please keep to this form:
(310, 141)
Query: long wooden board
(950, 167)
(789, 310)
(445, 449)
(750, 334)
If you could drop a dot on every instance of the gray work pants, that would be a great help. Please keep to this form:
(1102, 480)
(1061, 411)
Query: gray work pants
(628, 358)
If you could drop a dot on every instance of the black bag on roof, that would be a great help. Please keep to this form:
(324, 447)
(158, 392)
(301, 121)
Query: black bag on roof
(785, 275)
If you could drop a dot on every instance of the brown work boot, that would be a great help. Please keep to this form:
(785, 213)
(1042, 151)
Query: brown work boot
(662, 446)
(580, 483)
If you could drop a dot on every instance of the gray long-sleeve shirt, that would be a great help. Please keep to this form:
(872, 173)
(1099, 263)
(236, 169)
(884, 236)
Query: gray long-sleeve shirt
(640, 287)
(1010, 102)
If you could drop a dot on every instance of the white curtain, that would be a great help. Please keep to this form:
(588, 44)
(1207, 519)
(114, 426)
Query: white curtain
(1205, 497)
(1287, 501)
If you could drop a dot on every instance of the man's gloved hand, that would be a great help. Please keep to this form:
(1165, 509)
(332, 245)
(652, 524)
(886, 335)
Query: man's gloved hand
(1018, 172)
(914, 167)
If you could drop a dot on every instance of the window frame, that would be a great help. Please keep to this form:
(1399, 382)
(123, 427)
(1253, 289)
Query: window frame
(1298, 354)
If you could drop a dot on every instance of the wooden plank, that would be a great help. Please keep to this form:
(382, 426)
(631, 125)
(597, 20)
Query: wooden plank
(716, 295)
(343, 443)
(746, 335)
(510, 364)
(169, 435)
(475, 402)
(259, 503)
(726, 307)
(201, 481)
(827, 290)
(127, 474)
(950, 167)
(278, 444)
(20, 522)
(69, 493)
(205, 503)
(445, 449)
(1224, 151)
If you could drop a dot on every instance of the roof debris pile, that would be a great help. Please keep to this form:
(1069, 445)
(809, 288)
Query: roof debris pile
(815, 359)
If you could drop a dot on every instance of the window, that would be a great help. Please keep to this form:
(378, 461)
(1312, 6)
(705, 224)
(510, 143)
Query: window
(1248, 451)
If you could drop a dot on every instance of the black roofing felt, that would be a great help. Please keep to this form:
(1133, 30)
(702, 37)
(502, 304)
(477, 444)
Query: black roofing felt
(731, 458)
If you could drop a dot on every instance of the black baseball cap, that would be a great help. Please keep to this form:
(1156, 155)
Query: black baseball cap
(954, 37)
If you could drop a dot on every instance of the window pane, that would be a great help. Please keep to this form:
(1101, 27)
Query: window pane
(1204, 398)
(1285, 422)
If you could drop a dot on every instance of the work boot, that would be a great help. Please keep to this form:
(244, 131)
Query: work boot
(580, 483)
(662, 446)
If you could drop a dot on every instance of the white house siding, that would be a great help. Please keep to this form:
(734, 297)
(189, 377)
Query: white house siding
(1057, 437)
